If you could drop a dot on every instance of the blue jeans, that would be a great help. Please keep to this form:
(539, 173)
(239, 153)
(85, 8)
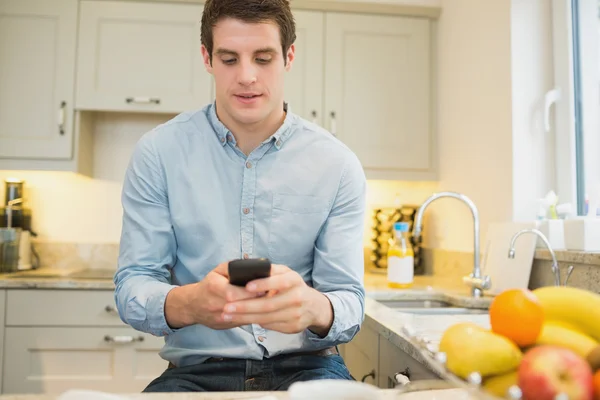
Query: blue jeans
(273, 374)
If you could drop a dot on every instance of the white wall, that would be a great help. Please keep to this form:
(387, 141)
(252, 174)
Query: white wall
(532, 76)
(474, 117)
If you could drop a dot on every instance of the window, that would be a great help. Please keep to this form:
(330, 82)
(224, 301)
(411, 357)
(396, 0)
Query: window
(576, 38)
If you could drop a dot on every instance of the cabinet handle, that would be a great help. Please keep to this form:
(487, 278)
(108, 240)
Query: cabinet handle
(61, 117)
(143, 100)
(123, 339)
(314, 116)
(402, 378)
(110, 310)
(370, 374)
(332, 126)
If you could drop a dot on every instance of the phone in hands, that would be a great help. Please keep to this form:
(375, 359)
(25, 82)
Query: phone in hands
(243, 271)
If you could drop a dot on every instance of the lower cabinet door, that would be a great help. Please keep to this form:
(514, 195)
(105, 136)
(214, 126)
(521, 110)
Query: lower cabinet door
(52, 360)
(362, 366)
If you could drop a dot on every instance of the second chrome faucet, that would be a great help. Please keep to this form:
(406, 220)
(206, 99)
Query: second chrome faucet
(555, 269)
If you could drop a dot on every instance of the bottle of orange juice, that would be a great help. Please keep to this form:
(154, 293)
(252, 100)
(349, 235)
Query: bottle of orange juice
(400, 258)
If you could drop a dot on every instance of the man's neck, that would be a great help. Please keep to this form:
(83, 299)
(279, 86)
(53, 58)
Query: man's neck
(249, 137)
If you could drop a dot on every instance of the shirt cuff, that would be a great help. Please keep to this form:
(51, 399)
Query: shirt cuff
(334, 331)
(150, 317)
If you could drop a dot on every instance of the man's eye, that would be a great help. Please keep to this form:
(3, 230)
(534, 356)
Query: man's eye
(263, 60)
(229, 61)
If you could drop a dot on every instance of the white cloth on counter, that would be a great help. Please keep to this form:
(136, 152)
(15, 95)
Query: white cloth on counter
(77, 394)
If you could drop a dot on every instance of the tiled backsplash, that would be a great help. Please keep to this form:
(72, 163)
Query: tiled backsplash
(77, 256)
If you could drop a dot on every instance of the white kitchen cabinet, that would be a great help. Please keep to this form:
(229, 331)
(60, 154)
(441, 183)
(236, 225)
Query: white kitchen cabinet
(143, 57)
(304, 82)
(74, 339)
(37, 76)
(368, 80)
(377, 91)
(55, 359)
(361, 355)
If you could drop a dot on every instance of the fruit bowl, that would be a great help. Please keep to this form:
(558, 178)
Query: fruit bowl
(541, 345)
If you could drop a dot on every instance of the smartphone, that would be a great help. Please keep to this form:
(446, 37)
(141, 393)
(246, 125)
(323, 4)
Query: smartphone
(243, 271)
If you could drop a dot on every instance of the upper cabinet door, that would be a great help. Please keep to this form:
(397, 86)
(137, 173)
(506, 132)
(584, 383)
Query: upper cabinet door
(136, 56)
(37, 74)
(304, 82)
(378, 92)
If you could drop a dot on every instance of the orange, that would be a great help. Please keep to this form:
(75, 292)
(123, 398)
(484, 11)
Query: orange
(517, 315)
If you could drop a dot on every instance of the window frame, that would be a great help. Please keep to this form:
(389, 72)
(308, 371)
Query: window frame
(576, 98)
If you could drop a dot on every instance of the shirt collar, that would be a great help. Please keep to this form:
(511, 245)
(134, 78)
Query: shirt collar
(279, 137)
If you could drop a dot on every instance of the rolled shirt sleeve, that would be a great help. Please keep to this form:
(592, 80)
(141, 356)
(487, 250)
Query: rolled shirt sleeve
(147, 249)
(338, 259)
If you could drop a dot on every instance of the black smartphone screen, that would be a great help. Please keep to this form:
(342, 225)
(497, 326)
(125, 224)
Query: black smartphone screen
(243, 271)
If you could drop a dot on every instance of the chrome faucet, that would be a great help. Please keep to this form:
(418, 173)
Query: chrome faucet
(555, 269)
(475, 280)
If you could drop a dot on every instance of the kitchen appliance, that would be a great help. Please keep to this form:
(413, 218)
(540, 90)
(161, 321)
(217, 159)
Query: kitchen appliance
(15, 221)
(382, 230)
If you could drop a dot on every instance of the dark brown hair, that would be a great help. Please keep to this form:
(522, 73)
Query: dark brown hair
(250, 11)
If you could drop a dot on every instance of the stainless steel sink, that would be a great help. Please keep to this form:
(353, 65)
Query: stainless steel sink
(431, 307)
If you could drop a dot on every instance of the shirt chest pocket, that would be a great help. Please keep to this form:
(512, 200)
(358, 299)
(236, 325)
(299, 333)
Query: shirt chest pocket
(295, 224)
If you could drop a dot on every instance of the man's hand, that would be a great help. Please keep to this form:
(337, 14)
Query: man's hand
(290, 306)
(203, 302)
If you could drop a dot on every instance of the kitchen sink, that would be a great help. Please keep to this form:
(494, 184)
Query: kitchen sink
(431, 307)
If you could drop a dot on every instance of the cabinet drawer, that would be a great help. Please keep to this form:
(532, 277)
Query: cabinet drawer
(61, 308)
(166, 73)
(52, 360)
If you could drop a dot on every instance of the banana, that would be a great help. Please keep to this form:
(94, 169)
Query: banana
(498, 385)
(559, 335)
(577, 307)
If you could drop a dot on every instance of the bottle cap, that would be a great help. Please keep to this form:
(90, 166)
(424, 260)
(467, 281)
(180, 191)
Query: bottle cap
(401, 226)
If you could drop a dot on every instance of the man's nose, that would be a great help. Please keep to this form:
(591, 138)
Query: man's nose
(247, 75)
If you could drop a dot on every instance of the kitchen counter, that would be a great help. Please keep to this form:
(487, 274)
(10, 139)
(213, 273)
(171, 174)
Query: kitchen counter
(384, 394)
(390, 323)
(443, 288)
(407, 331)
(59, 278)
(412, 332)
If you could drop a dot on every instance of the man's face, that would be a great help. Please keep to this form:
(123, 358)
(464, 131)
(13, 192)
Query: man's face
(248, 68)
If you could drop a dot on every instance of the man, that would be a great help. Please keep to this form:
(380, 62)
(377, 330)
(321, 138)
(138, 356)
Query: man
(243, 178)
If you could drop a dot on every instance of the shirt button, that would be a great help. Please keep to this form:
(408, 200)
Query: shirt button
(278, 143)
(229, 138)
(261, 338)
(222, 140)
(246, 256)
(246, 210)
(248, 164)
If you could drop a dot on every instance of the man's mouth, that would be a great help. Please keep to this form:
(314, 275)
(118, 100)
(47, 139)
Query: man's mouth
(248, 95)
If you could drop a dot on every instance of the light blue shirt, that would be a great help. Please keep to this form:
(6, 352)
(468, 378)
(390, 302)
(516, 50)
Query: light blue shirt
(192, 200)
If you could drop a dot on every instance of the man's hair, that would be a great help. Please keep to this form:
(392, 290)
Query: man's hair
(250, 11)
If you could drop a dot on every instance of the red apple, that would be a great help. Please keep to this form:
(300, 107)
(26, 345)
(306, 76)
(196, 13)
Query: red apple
(597, 385)
(547, 371)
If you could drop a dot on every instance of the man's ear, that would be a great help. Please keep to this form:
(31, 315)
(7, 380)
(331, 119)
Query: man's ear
(290, 57)
(207, 60)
